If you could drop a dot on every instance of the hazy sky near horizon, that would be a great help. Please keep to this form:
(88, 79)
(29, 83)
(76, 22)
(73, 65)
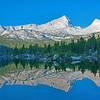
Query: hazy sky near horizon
(19, 12)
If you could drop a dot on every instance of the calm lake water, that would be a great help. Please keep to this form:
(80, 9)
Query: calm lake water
(80, 81)
(84, 89)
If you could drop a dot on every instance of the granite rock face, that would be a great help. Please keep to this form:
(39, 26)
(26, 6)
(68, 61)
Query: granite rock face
(58, 29)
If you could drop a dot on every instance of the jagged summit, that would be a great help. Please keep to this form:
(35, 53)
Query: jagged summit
(64, 19)
(61, 20)
(57, 29)
(94, 27)
(96, 21)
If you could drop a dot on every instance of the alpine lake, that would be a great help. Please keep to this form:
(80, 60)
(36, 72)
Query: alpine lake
(28, 80)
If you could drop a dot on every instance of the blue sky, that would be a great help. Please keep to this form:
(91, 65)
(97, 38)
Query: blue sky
(18, 12)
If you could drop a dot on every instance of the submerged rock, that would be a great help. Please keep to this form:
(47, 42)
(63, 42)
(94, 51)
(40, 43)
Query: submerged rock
(76, 58)
(75, 62)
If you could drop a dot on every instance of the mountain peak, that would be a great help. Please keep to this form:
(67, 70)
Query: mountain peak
(96, 21)
(64, 17)
(63, 20)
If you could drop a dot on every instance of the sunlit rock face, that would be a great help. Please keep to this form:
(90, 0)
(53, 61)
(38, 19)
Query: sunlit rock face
(1, 29)
(57, 29)
(94, 27)
(62, 80)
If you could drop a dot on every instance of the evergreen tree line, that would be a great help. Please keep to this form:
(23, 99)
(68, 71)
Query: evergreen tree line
(82, 66)
(79, 46)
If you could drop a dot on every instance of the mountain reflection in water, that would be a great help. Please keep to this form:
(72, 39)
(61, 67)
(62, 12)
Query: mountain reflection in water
(82, 90)
(57, 75)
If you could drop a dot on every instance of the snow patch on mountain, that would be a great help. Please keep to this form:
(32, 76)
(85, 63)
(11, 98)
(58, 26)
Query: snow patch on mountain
(94, 27)
(58, 29)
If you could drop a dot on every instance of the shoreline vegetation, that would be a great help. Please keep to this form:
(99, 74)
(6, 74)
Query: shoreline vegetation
(84, 52)
(73, 50)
